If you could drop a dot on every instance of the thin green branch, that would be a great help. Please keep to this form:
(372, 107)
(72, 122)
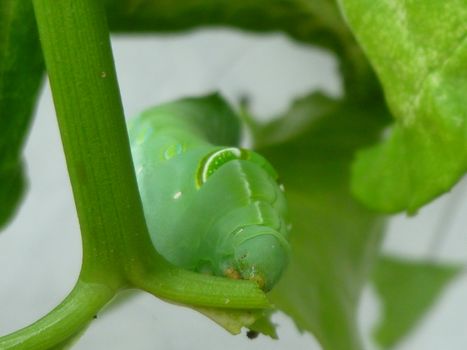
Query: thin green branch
(168, 282)
(68, 318)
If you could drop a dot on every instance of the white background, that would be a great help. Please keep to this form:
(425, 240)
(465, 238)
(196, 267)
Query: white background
(40, 250)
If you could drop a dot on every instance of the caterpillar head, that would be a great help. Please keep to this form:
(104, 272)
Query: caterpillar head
(250, 224)
(260, 255)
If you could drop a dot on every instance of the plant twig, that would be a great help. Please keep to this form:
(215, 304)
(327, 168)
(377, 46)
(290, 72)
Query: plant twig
(78, 308)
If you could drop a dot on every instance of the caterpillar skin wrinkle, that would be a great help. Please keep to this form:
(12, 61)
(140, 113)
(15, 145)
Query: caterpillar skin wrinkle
(210, 206)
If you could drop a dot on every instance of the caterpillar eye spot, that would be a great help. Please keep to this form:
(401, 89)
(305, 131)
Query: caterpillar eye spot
(281, 187)
(215, 160)
(173, 150)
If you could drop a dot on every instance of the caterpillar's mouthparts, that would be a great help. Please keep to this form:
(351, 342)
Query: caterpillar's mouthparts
(260, 255)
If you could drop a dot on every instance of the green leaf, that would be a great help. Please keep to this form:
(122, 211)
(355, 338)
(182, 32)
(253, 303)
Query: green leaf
(234, 320)
(12, 184)
(419, 52)
(263, 325)
(407, 290)
(231, 320)
(21, 70)
(300, 117)
(334, 239)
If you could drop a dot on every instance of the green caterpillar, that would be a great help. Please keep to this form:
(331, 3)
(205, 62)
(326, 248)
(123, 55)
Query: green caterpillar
(209, 208)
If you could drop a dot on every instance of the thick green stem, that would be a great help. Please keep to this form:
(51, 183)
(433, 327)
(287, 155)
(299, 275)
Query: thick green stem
(76, 45)
(78, 309)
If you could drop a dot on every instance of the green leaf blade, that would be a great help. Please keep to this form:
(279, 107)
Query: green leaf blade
(419, 52)
(12, 185)
(407, 290)
(334, 239)
(21, 70)
(233, 321)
